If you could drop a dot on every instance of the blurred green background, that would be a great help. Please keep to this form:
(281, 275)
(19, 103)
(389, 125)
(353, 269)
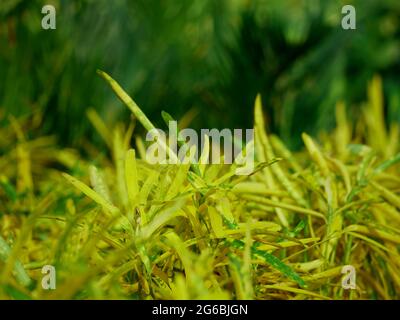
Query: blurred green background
(211, 56)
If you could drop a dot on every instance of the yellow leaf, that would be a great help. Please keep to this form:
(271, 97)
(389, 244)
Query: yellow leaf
(131, 176)
(91, 194)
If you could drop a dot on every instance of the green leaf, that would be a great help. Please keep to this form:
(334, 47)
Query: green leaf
(272, 261)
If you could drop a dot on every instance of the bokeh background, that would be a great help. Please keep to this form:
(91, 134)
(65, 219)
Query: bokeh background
(208, 58)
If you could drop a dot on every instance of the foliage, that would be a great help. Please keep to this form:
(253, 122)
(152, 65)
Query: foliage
(118, 227)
